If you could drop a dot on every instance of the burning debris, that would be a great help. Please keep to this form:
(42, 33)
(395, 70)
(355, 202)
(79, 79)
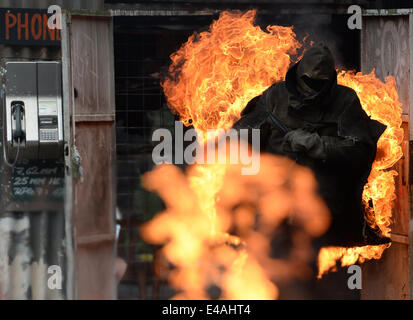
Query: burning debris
(212, 78)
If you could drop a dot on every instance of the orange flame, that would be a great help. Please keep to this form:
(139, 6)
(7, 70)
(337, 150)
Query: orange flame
(211, 79)
(380, 101)
(239, 263)
(215, 74)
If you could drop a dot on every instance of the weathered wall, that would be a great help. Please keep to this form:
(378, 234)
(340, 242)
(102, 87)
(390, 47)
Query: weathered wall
(30, 242)
(32, 236)
(32, 231)
(386, 47)
(89, 62)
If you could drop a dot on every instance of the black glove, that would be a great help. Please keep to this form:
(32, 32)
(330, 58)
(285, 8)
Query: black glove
(302, 141)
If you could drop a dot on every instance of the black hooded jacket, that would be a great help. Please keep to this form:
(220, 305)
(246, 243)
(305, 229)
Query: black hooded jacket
(342, 138)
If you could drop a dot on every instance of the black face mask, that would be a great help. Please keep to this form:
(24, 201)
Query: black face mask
(314, 84)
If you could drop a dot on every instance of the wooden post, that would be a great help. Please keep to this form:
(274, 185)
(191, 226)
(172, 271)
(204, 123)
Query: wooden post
(90, 94)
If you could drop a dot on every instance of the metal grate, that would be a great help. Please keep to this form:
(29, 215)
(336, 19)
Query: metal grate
(140, 109)
(140, 55)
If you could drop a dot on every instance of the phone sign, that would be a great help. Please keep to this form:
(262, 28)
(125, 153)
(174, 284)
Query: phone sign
(28, 27)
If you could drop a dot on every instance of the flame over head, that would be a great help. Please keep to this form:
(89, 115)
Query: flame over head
(211, 79)
(216, 73)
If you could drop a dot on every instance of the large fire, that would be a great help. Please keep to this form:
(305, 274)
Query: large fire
(216, 73)
(380, 101)
(236, 256)
(211, 79)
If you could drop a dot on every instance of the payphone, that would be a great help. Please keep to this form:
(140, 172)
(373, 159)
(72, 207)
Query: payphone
(32, 110)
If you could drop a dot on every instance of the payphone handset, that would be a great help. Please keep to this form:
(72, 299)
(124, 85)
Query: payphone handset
(33, 124)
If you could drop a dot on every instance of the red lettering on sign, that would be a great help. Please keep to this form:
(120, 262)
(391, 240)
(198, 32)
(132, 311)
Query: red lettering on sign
(36, 24)
(20, 25)
(11, 21)
(25, 26)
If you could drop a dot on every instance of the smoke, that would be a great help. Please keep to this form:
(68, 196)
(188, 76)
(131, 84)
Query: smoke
(317, 27)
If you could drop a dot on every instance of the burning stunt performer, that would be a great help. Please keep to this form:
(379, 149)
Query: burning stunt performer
(321, 125)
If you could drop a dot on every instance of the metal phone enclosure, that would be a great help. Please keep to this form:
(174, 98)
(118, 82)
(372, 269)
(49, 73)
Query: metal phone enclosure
(33, 127)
